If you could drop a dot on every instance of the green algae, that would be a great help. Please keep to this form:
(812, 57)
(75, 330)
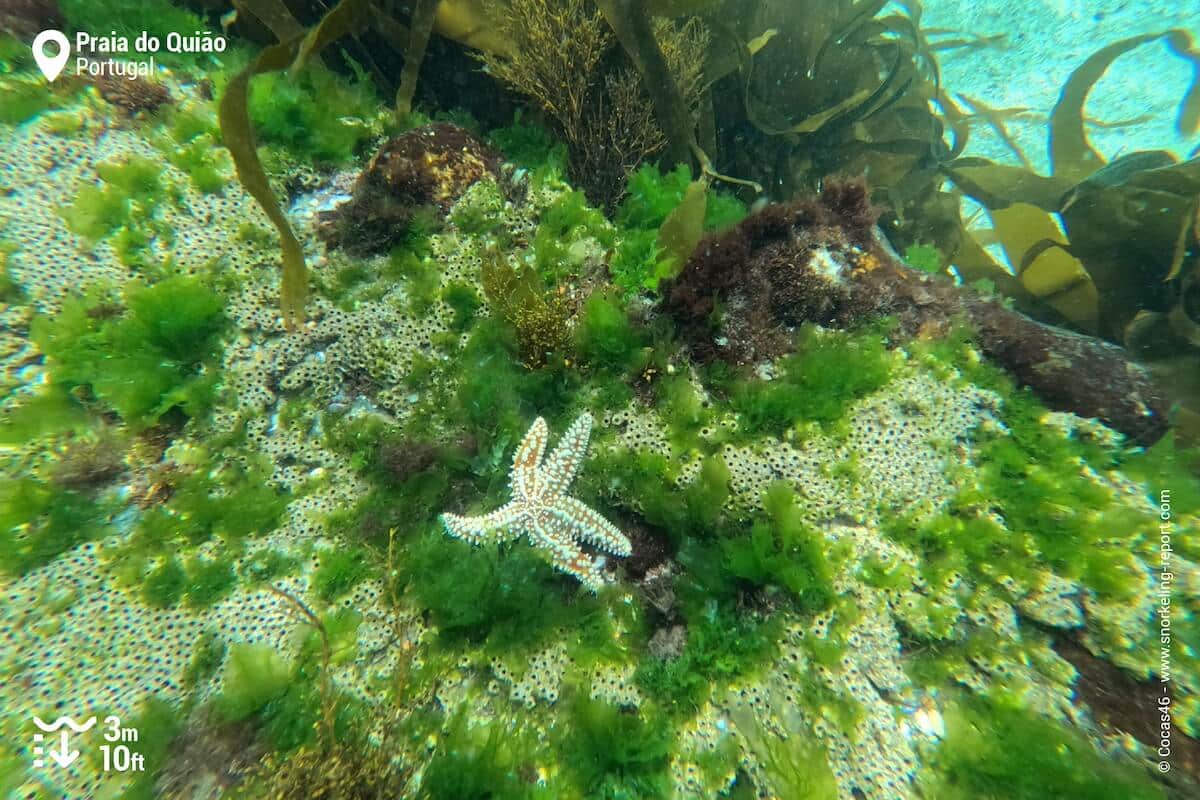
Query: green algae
(421, 275)
(208, 581)
(644, 482)
(651, 198)
(196, 581)
(39, 522)
(505, 597)
(796, 765)
(464, 302)
(21, 101)
(530, 146)
(722, 646)
(164, 585)
(684, 411)
(44, 415)
(783, 551)
(318, 116)
(1031, 476)
(129, 192)
(817, 383)
(265, 565)
(926, 258)
(617, 754)
(207, 658)
(478, 761)
(229, 502)
(155, 355)
(484, 215)
(496, 396)
(564, 229)
(196, 158)
(606, 339)
(413, 478)
(338, 571)
(254, 676)
(995, 747)
(156, 17)
(158, 722)
(95, 213)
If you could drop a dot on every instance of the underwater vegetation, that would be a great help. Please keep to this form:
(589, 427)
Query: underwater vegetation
(142, 360)
(1035, 759)
(818, 522)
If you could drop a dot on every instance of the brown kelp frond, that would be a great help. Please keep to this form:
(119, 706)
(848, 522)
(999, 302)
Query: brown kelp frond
(683, 228)
(836, 39)
(424, 16)
(994, 118)
(1071, 154)
(635, 32)
(470, 23)
(275, 15)
(238, 136)
(1122, 267)
(960, 40)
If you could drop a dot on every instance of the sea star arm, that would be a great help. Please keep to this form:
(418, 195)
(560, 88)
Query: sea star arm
(565, 555)
(563, 463)
(585, 523)
(528, 458)
(499, 524)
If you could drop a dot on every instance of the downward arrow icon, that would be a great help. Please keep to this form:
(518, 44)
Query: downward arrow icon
(64, 757)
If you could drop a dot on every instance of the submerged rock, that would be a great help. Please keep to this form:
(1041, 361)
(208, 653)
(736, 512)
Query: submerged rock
(427, 168)
(818, 261)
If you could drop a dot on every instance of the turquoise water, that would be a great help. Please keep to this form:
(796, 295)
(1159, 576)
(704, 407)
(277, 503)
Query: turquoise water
(712, 399)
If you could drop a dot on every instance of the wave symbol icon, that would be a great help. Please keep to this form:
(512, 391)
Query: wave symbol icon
(67, 721)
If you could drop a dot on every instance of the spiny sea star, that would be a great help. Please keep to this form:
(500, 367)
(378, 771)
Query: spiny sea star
(541, 509)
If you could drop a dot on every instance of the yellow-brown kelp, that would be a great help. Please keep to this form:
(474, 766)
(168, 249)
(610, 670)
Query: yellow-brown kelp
(239, 138)
(1122, 268)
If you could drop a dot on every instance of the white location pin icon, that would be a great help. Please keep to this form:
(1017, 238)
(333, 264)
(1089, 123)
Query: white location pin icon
(51, 66)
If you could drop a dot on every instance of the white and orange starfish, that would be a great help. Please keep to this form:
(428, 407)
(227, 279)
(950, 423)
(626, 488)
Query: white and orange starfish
(541, 509)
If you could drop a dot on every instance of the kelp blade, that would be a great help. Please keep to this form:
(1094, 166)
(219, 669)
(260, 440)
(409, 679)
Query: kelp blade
(1036, 248)
(234, 116)
(1071, 154)
(683, 228)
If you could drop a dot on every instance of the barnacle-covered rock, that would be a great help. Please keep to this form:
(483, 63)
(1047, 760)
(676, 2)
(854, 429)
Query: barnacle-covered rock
(427, 168)
(43, 172)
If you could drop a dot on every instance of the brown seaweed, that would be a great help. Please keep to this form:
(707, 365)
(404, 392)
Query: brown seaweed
(632, 27)
(421, 26)
(275, 15)
(1129, 223)
(238, 135)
